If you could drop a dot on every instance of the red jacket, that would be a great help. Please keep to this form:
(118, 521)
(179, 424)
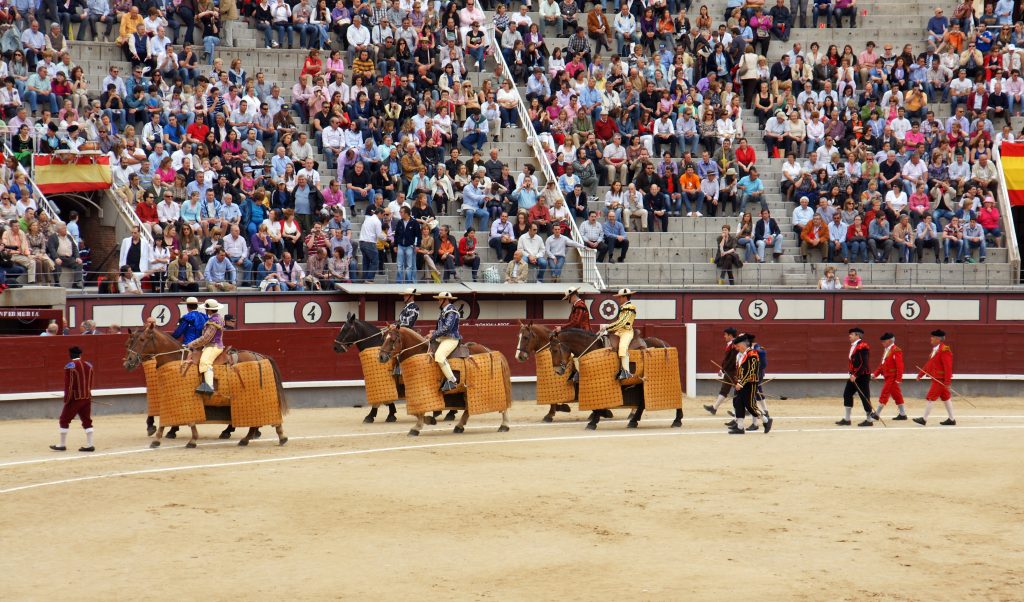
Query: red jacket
(147, 213)
(77, 381)
(984, 100)
(892, 364)
(605, 129)
(940, 365)
(579, 317)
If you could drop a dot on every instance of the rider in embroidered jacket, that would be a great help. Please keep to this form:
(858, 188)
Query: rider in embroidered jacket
(212, 344)
(623, 326)
(579, 317)
(447, 337)
(411, 312)
(747, 377)
(190, 326)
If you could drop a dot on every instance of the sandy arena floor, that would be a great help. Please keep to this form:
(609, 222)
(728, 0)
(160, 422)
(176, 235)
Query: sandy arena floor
(547, 511)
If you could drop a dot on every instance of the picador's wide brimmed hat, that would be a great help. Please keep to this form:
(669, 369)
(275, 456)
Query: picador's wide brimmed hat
(624, 292)
(409, 292)
(445, 295)
(573, 291)
(191, 301)
(212, 305)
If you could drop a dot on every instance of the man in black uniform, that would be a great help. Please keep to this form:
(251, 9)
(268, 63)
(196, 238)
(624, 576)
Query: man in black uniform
(748, 370)
(859, 382)
(411, 312)
(727, 371)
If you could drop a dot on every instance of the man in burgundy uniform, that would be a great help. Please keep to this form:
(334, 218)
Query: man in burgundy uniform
(891, 370)
(579, 317)
(860, 378)
(939, 368)
(77, 400)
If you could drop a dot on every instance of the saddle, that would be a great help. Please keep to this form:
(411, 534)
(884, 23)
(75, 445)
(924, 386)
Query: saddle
(611, 341)
(228, 357)
(461, 352)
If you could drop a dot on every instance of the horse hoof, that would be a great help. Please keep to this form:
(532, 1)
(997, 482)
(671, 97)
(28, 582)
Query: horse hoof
(430, 420)
(414, 433)
(368, 420)
(548, 418)
(632, 424)
(225, 435)
(591, 426)
(191, 445)
(459, 429)
(391, 418)
(171, 435)
(503, 428)
(283, 441)
(450, 416)
(150, 431)
(677, 423)
(243, 442)
(257, 434)
(154, 444)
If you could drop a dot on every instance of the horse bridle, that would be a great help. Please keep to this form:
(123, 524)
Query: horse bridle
(522, 339)
(404, 349)
(136, 359)
(346, 344)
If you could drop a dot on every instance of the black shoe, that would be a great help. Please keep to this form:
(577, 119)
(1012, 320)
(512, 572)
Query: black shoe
(920, 421)
(737, 431)
(753, 427)
(204, 389)
(711, 409)
(449, 385)
(768, 425)
(87, 449)
(843, 422)
(58, 448)
(866, 423)
(900, 417)
(731, 424)
(623, 375)
(874, 416)
(948, 422)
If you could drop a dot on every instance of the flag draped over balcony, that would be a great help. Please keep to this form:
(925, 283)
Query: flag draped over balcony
(1012, 155)
(62, 174)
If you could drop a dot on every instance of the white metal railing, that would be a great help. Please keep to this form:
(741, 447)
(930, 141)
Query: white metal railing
(588, 257)
(128, 213)
(1013, 251)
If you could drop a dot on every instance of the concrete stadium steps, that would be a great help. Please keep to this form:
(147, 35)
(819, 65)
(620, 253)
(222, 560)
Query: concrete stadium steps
(875, 275)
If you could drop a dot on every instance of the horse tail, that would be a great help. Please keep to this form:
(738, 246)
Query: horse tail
(282, 400)
(506, 380)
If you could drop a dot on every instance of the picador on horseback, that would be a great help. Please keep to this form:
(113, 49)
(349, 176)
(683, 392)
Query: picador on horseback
(623, 327)
(411, 312)
(447, 337)
(212, 344)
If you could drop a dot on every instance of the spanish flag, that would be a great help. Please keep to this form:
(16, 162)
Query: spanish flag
(1012, 156)
(57, 174)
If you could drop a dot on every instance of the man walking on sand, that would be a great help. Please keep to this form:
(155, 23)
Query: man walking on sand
(77, 400)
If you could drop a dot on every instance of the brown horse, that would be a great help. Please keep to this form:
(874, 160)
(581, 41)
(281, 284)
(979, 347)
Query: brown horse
(363, 335)
(402, 343)
(532, 339)
(151, 343)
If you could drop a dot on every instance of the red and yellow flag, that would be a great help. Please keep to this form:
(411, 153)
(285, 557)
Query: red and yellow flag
(55, 175)
(1012, 156)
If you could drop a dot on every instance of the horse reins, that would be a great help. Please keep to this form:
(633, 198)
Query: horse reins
(347, 344)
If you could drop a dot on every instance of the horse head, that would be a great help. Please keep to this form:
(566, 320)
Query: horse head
(559, 354)
(346, 335)
(523, 342)
(391, 345)
(139, 341)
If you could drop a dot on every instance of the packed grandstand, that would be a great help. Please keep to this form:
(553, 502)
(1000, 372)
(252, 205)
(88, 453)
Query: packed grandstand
(293, 146)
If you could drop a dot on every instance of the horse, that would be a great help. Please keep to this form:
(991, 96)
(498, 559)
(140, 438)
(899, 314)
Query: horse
(575, 343)
(402, 343)
(532, 339)
(364, 336)
(151, 343)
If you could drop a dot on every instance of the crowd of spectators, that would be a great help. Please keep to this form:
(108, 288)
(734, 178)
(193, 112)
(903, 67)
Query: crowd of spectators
(644, 110)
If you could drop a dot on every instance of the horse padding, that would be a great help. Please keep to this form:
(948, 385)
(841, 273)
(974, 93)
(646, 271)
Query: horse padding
(381, 387)
(552, 388)
(488, 383)
(179, 403)
(598, 388)
(153, 390)
(422, 378)
(662, 387)
(254, 397)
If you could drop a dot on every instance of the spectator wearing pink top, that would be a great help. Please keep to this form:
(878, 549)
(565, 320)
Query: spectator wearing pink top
(990, 220)
(919, 204)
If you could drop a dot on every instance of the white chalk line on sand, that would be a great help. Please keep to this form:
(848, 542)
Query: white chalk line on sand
(424, 446)
(273, 440)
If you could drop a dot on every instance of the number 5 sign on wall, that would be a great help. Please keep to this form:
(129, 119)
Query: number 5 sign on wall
(758, 309)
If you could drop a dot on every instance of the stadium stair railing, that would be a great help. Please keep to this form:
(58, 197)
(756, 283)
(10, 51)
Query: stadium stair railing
(1005, 209)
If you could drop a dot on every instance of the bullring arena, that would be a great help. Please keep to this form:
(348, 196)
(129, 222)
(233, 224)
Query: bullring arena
(353, 511)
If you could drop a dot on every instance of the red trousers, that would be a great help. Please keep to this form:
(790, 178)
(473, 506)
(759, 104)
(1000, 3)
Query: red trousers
(81, 408)
(891, 388)
(938, 390)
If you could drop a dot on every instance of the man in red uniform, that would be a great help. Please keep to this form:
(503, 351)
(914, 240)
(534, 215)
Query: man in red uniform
(891, 369)
(860, 379)
(939, 368)
(579, 317)
(77, 400)
(726, 372)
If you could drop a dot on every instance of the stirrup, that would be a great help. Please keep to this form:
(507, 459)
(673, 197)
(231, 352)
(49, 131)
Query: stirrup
(449, 385)
(204, 389)
(623, 375)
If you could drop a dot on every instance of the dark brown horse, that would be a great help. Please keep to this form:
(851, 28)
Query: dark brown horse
(151, 343)
(532, 339)
(363, 335)
(402, 343)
